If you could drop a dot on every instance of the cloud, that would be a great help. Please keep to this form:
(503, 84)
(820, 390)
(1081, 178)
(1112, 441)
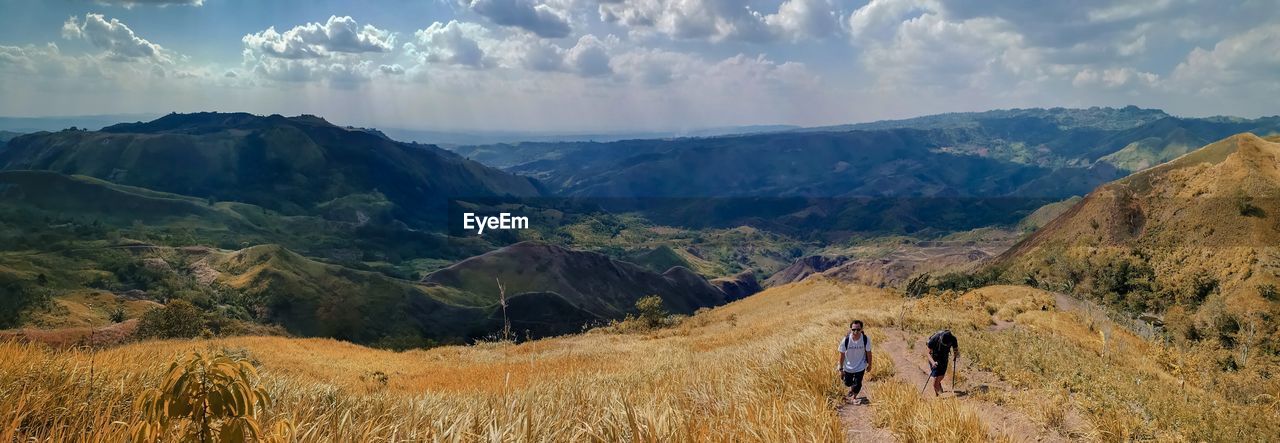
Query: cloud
(1247, 60)
(724, 20)
(538, 55)
(395, 69)
(335, 51)
(589, 58)
(1114, 78)
(161, 3)
(804, 19)
(539, 19)
(454, 43)
(879, 15)
(114, 37)
(316, 40)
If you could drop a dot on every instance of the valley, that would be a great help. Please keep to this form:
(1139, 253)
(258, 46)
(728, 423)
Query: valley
(340, 278)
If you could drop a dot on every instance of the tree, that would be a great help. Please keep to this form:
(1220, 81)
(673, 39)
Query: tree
(918, 285)
(178, 319)
(651, 310)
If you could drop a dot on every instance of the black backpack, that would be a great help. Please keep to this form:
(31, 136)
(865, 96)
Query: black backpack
(846, 341)
(938, 340)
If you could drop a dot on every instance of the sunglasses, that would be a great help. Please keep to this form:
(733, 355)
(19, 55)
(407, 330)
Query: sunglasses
(855, 329)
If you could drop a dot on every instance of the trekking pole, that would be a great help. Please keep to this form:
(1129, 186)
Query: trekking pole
(955, 371)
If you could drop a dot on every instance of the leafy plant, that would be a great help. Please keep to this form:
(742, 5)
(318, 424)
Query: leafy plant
(651, 310)
(918, 286)
(178, 319)
(206, 399)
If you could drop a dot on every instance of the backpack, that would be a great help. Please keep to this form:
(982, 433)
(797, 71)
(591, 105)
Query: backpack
(938, 340)
(846, 341)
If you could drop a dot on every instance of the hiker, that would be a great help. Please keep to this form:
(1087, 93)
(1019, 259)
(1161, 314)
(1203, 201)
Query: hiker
(855, 359)
(939, 346)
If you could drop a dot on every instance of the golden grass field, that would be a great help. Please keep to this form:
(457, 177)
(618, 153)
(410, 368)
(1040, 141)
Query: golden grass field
(760, 369)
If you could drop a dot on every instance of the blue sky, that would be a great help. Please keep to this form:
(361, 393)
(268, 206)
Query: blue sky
(589, 65)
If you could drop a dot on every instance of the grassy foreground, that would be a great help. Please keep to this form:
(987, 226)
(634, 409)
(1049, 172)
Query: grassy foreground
(757, 370)
(760, 369)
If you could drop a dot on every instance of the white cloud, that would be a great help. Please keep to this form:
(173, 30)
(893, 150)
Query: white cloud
(114, 37)
(1246, 60)
(336, 51)
(161, 3)
(881, 15)
(454, 43)
(589, 58)
(1114, 78)
(540, 19)
(803, 19)
(316, 40)
(724, 20)
(395, 69)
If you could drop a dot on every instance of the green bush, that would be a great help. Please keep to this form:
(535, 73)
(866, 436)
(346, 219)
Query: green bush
(652, 313)
(178, 319)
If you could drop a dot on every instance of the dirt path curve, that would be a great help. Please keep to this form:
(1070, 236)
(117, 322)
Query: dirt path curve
(912, 368)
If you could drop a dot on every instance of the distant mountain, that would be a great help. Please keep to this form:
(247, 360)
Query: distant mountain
(1062, 118)
(804, 267)
(294, 165)
(1165, 139)
(491, 137)
(1179, 233)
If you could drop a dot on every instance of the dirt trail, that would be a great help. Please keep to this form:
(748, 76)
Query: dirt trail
(912, 368)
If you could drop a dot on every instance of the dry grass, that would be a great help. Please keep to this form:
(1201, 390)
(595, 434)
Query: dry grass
(914, 418)
(767, 379)
(1122, 384)
(760, 369)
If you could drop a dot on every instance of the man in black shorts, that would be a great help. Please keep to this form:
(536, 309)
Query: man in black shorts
(855, 359)
(939, 347)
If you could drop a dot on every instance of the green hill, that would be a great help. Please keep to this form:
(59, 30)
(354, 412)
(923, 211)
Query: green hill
(290, 165)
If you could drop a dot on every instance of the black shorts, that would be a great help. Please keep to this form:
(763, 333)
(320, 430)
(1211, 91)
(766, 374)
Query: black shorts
(940, 369)
(852, 379)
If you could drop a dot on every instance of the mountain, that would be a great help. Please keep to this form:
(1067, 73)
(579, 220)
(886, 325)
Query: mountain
(1184, 233)
(491, 137)
(1165, 139)
(1065, 118)
(5, 136)
(804, 267)
(738, 286)
(587, 284)
(293, 165)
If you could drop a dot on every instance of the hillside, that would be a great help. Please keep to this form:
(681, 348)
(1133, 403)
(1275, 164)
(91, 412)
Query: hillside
(758, 369)
(287, 164)
(1166, 139)
(592, 284)
(1195, 235)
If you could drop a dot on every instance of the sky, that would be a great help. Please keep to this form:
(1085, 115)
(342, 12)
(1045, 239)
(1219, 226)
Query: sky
(619, 65)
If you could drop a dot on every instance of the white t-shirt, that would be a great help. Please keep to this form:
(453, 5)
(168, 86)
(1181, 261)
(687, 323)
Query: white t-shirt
(855, 356)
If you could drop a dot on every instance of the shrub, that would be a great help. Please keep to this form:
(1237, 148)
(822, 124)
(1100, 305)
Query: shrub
(651, 310)
(918, 286)
(178, 319)
(1269, 292)
(206, 399)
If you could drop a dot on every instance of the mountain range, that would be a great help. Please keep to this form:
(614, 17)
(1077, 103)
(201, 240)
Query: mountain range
(336, 231)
